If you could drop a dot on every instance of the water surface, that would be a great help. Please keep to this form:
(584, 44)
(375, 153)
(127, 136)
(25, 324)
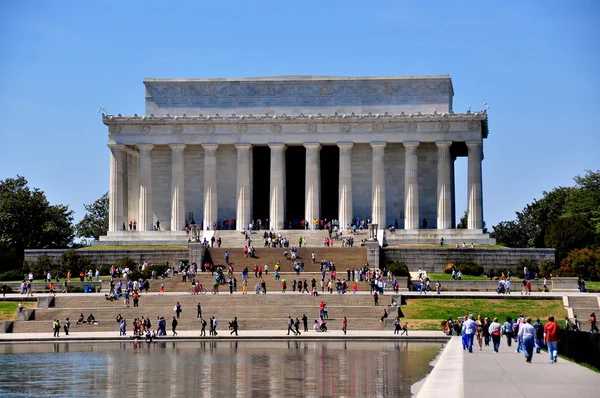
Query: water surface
(214, 369)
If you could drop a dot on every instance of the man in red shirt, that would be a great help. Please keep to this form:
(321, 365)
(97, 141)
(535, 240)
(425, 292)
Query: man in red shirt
(551, 331)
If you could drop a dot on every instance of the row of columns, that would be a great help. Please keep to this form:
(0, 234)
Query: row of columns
(118, 163)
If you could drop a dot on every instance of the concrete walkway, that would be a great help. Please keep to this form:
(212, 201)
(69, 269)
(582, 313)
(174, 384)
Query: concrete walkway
(460, 374)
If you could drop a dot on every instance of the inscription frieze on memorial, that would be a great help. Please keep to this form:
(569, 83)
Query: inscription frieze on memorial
(296, 93)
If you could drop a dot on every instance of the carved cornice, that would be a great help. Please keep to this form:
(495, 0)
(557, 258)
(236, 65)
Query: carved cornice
(309, 120)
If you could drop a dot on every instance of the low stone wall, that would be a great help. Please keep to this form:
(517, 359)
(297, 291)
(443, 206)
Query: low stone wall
(43, 287)
(434, 260)
(107, 257)
(482, 286)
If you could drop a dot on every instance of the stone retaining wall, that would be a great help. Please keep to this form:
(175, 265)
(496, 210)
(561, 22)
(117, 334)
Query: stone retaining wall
(434, 260)
(107, 257)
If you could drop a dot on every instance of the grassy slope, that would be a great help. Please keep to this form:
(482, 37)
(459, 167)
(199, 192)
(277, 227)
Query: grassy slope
(8, 310)
(427, 314)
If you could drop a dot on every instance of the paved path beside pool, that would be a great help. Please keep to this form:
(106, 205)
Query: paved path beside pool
(460, 374)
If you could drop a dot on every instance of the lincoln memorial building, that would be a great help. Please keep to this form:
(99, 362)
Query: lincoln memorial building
(293, 148)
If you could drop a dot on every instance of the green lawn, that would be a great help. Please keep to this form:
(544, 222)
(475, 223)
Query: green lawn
(427, 314)
(130, 247)
(8, 310)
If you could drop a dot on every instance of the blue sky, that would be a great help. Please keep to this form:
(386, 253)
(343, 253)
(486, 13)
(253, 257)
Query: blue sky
(536, 63)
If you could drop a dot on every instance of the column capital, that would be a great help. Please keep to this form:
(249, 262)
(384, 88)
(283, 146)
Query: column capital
(474, 143)
(378, 144)
(312, 145)
(210, 147)
(345, 145)
(243, 145)
(411, 144)
(145, 147)
(443, 144)
(277, 145)
(180, 147)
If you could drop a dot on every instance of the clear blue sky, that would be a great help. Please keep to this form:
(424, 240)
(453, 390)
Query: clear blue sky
(536, 63)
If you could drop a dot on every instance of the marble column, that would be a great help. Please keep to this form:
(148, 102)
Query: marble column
(345, 184)
(411, 187)
(210, 185)
(378, 185)
(244, 191)
(277, 186)
(177, 187)
(474, 188)
(146, 216)
(133, 185)
(312, 183)
(116, 187)
(444, 185)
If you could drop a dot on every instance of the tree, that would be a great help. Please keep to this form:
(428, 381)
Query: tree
(583, 263)
(464, 220)
(569, 232)
(29, 221)
(75, 262)
(95, 222)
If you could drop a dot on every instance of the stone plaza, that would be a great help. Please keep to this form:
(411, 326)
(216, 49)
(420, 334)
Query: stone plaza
(293, 148)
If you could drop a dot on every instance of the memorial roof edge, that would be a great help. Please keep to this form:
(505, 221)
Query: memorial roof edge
(292, 78)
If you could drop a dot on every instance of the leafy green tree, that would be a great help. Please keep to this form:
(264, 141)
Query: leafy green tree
(29, 221)
(74, 262)
(95, 222)
(583, 263)
(569, 232)
(464, 220)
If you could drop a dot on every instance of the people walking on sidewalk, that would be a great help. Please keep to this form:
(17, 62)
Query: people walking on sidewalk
(203, 329)
(234, 326)
(344, 325)
(174, 326)
(495, 330)
(178, 309)
(551, 332)
(397, 325)
(527, 336)
(507, 330)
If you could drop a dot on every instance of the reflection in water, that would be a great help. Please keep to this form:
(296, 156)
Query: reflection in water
(215, 369)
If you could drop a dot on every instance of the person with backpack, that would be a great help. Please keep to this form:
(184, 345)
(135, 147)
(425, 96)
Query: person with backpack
(507, 330)
(539, 335)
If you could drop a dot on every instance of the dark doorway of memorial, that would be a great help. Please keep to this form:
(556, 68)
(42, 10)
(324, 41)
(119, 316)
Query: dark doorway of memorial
(261, 180)
(295, 174)
(330, 172)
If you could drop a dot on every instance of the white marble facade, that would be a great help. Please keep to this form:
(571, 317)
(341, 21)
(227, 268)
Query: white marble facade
(192, 151)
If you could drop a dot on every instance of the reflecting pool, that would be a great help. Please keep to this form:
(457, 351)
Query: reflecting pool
(214, 369)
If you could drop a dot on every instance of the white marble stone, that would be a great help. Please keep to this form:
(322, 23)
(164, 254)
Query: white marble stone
(210, 185)
(116, 187)
(277, 187)
(177, 187)
(444, 197)
(474, 186)
(244, 192)
(378, 185)
(313, 182)
(145, 219)
(411, 187)
(345, 184)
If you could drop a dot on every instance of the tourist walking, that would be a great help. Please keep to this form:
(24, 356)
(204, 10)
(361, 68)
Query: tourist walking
(404, 329)
(67, 326)
(470, 329)
(527, 336)
(203, 330)
(539, 335)
(376, 298)
(290, 326)
(551, 331)
(344, 325)
(174, 326)
(384, 316)
(507, 330)
(199, 311)
(397, 325)
(305, 322)
(495, 331)
(479, 331)
(593, 326)
(162, 288)
(234, 325)
(214, 324)
(56, 327)
(178, 309)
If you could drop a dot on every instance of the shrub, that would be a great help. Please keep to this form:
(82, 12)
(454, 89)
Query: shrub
(159, 268)
(547, 268)
(75, 262)
(469, 268)
(105, 269)
(532, 267)
(448, 268)
(397, 269)
(583, 263)
(41, 266)
(12, 275)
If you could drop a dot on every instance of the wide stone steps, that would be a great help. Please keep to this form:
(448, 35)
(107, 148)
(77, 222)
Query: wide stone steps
(343, 257)
(586, 302)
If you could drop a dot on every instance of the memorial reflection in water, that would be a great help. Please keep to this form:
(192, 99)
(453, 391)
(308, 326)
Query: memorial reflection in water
(211, 368)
